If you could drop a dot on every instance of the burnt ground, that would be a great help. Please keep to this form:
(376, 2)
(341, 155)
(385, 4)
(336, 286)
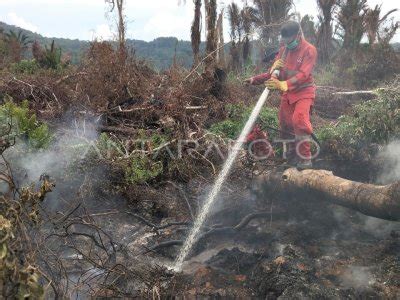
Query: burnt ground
(302, 249)
(299, 249)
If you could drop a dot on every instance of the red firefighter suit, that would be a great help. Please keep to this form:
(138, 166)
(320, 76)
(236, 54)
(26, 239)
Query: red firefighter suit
(296, 103)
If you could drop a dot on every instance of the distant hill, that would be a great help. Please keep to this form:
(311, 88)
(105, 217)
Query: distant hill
(74, 47)
(396, 46)
(160, 53)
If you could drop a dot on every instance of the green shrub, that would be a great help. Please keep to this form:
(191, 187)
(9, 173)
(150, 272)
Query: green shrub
(156, 140)
(23, 125)
(137, 167)
(142, 169)
(238, 116)
(109, 148)
(374, 121)
(25, 67)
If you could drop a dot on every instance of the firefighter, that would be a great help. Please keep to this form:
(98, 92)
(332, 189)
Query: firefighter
(295, 61)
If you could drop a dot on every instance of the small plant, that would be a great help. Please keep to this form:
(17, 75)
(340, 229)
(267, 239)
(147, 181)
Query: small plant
(23, 125)
(154, 141)
(109, 148)
(142, 169)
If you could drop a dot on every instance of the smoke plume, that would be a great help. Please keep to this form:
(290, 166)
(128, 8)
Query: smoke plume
(390, 156)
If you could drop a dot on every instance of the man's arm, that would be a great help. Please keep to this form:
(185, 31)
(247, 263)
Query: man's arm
(305, 70)
(261, 78)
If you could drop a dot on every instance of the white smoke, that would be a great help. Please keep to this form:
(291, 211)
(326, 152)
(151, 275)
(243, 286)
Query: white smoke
(70, 144)
(390, 157)
(379, 228)
(357, 277)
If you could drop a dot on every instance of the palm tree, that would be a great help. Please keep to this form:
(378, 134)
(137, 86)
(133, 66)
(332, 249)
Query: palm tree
(269, 15)
(235, 23)
(247, 29)
(373, 22)
(351, 19)
(387, 33)
(19, 37)
(324, 33)
(18, 43)
(308, 27)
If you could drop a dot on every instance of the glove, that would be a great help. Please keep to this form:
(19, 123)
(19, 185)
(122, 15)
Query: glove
(280, 63)
(275, 84)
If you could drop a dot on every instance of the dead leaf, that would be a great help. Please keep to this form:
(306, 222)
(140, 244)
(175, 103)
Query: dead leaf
(240, 278)
(280, 260)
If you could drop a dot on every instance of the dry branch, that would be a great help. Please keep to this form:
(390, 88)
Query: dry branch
(214, 230)
(124, 130)
(154, 226)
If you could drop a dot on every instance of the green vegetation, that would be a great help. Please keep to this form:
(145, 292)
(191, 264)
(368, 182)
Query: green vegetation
(141, 169)
(23, 125)
(109, 148)
(52, 57)
(138, 167)
(247, 71)
(238, 114)
(25, 66)
(374, 121)
(327, 75)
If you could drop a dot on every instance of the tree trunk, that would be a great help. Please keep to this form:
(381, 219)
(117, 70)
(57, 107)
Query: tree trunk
(372, 200)
(351, 19)
(325, 32)
(220, 44)
(196, 32)
(211, 45)
(121, 28)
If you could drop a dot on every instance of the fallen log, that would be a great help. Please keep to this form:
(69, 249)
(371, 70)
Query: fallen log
(380, 201)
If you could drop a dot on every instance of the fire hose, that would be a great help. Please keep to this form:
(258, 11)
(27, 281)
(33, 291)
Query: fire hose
(313, 136)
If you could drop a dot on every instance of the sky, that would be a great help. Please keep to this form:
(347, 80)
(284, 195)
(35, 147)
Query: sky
(146, 19)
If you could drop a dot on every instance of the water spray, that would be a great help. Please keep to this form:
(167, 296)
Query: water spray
(193, 235)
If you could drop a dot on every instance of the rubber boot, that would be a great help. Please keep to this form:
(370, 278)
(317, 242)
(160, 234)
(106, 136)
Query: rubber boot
(303, 152)
(289, 154)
